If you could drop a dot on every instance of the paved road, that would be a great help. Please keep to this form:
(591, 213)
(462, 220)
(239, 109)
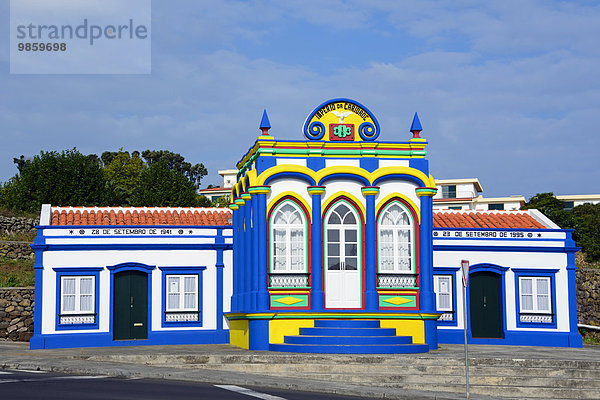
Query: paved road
(20, 384)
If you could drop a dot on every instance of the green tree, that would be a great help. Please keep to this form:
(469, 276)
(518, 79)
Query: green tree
(203, 201)
(122, 173)
(68, 178)
(586, 221)
(176, 162)
(551, 207)
(161, 186)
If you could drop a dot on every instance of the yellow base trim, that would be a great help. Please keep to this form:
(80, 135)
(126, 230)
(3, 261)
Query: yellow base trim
(278, 328)
(406, 327)
(238, 333)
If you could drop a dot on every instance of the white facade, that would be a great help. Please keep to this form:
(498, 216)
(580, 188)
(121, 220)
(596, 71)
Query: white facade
(200, 257)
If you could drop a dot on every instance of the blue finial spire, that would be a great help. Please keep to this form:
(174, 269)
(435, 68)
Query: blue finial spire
(415, 128)
(264, 122)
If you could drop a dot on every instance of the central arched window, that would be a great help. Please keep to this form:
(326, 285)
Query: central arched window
(395, 239)
(288, 239)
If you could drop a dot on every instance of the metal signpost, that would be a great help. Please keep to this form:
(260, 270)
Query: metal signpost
(464, 266)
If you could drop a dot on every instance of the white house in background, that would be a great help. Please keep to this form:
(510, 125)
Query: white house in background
(229, 179)
(574, 200)
(465, 194)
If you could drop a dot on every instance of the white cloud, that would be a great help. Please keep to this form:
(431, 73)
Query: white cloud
(520, 118)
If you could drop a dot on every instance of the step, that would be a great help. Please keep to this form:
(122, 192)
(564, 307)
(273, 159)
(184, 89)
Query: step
(351, 349)
(348, 340)
(348, 331)
(346, 323)
(429, 374)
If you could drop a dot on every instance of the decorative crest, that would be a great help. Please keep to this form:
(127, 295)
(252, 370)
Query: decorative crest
(341, 120)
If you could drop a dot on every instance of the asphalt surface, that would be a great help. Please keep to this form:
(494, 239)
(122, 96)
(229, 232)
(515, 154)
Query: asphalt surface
(31, 385)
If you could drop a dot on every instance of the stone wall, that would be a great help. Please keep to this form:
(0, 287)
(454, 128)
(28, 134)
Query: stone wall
(16, 250)
(588, 296)
(16, 313)
(17, 224)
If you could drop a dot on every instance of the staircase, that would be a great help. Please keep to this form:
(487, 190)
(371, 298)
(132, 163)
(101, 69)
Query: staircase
(349, 337)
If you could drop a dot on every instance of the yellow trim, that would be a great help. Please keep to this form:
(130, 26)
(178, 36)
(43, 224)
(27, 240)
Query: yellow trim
(401, 196)
(432, 182)
(342, 169)
(293, 195)
(238, 333)
(278, 328)
(328, 315)
(336, 196)
(246, 196)
(260, 181)
(380, 172)
(406, 327)
(322, 173)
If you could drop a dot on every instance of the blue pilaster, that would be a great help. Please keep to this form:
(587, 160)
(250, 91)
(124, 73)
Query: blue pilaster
(316, 257)
(248, 267)
(258, 334)
(575, 339)
(235, 271)
(427, 295)
(255, 261)
(219, 265)
(259, 194)
(371, 297)
(37, 340)
(241, 258)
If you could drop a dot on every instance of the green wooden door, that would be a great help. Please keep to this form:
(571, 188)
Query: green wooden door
(485, 305)
(130, 305)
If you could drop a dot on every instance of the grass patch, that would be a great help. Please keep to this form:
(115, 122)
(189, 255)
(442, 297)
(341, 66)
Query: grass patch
(590, 336)
(18, 236)
(16, 273)
(7, 212)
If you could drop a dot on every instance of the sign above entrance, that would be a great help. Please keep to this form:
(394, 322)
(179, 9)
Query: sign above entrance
(341, 120)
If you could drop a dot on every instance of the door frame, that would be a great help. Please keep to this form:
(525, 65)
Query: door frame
(361, 259)
(130, 266)
(500, 271)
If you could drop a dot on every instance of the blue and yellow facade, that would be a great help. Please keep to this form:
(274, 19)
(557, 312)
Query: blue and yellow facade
(334, 227)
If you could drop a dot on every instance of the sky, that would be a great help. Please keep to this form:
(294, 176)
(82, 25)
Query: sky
(506, 91)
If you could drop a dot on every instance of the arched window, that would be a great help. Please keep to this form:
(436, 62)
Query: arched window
(288, 238)
(395, 239)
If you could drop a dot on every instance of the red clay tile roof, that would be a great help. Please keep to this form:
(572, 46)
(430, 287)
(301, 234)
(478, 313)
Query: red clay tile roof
(140, 216)
(485, 219)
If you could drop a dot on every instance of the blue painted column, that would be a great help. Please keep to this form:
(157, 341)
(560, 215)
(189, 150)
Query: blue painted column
(235, 272)
(248, 264)
(255, 261)
(575, 339)
(371, 296)
(219, 265)
(317, 302)
(260, 198)
(39, 245)
(427, 295)
(242, 249)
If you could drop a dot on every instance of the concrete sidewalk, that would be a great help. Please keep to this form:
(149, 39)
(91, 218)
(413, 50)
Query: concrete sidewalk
(226, 364)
